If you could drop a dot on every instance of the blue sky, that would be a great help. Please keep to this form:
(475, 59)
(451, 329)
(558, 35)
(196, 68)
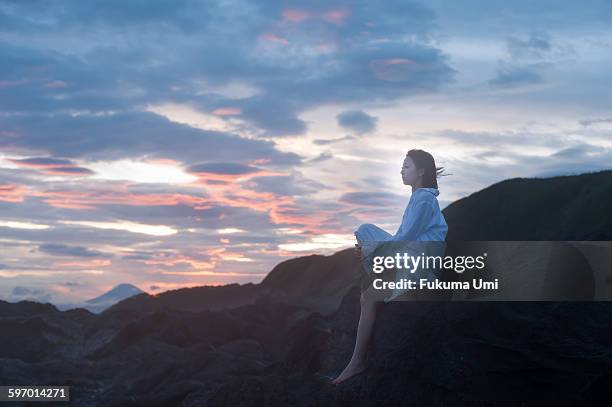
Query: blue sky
(182, 143)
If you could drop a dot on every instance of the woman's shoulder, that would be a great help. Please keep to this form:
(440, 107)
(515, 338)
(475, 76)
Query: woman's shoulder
(425, 194)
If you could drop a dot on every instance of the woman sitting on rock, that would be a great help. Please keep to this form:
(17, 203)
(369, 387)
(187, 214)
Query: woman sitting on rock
(422, 221)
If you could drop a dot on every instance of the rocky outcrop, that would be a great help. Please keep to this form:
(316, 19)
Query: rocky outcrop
(425, 353)
(572, 207)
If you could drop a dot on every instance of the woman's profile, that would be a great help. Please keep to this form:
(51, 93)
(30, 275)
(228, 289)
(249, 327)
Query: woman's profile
(422, 221)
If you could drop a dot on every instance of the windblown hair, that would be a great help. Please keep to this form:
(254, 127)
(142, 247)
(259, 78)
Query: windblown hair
(422, 159)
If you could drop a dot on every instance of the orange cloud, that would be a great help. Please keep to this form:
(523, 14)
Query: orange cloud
(221, 190)
(214, 256)
(282, 209)
(90, 199)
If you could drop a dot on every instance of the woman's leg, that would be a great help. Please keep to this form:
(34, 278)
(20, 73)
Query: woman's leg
(371, 232)
(369, 309)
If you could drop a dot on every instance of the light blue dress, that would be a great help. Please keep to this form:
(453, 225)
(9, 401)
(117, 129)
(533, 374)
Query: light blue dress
(422, 221)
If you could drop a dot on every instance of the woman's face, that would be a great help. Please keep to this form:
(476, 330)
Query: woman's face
(410, 174)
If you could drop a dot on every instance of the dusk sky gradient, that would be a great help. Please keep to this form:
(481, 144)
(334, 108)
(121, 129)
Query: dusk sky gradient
(176, 143)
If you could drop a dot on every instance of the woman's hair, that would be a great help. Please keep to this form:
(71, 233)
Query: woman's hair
(422, 159)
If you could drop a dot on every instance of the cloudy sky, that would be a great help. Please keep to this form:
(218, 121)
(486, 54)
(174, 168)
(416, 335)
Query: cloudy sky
(181, 143)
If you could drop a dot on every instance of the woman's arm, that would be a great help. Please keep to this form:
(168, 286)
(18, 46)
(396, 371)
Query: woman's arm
(416, 222)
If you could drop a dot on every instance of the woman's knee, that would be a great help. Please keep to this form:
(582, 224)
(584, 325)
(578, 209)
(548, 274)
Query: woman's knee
(364, 227)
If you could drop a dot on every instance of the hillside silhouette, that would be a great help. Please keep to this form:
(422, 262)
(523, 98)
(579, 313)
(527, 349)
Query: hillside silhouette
(571, 207)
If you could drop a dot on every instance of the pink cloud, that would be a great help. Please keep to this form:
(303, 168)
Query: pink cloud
(69, 171)
(163, 161)
(397, 61)
(12, 193)
(10, 84)
(326, 48)
(227, 111)
(87, 264)
(222, 190)
(296, 15)
(91, 199)
(174, 259)
(53, 167)
(392, 69)
(56, 84)
(260, 161)
(274, 38)
(335, 16)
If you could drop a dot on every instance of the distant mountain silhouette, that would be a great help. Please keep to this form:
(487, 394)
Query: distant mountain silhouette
(116, 294)
(260, 344)
(98, 304)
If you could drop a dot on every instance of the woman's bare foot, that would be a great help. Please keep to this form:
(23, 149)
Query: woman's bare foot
(352, 369)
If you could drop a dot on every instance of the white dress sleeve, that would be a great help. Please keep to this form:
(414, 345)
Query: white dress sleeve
(416, 221)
